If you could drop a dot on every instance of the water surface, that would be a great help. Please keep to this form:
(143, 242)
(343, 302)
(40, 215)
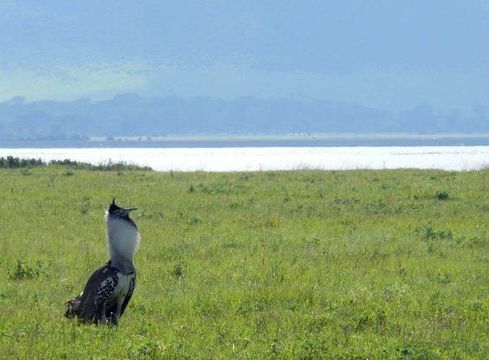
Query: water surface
(458, 158)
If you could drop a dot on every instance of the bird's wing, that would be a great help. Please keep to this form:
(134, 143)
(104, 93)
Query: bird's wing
(98, 289)
(113, 308)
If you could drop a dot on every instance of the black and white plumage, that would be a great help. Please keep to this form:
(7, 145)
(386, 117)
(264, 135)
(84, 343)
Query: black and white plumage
(109, 288)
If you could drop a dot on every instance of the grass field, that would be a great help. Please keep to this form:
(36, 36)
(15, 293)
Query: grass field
(360, 264)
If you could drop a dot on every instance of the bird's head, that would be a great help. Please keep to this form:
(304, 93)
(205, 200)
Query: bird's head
(115, 210)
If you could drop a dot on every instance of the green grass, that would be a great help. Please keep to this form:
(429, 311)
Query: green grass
(309, 264)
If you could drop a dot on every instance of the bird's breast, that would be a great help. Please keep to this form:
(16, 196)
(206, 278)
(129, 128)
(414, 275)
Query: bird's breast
(124, 284)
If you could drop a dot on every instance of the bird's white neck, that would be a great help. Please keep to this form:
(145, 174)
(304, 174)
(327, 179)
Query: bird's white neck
(123, 242)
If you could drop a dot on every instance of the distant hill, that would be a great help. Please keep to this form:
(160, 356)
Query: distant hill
(132, 115)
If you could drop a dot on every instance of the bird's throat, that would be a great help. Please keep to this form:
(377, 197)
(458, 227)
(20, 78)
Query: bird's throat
(123, 242)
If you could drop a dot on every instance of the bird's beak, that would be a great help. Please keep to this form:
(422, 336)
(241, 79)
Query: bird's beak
(131, 209)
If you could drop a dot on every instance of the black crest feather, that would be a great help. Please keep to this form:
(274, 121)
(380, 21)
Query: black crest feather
(113, 207)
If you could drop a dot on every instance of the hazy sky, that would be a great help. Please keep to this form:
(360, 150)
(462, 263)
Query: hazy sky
(390, 54)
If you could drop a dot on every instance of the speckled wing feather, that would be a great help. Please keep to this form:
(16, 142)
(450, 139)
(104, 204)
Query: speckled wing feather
(98, 289)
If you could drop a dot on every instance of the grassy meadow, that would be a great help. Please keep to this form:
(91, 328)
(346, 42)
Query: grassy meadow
(305, 264)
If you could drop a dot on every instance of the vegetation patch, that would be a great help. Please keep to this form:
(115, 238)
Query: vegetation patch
(23, 270)
(11, 162)
(442, 195)
(288, 265)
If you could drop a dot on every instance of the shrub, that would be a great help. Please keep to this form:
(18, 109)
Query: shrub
(441, 195)
(22, 270)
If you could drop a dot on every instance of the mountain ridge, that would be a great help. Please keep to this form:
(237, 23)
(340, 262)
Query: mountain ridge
(134, 115)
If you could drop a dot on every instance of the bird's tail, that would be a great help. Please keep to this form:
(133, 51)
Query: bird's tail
(73, 307)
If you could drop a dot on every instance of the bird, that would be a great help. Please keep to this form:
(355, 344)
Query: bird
(110, 287)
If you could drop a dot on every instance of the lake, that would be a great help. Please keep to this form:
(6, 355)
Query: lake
(457, 158)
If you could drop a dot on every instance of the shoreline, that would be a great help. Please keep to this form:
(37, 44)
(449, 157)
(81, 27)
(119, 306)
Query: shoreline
(450, 158)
